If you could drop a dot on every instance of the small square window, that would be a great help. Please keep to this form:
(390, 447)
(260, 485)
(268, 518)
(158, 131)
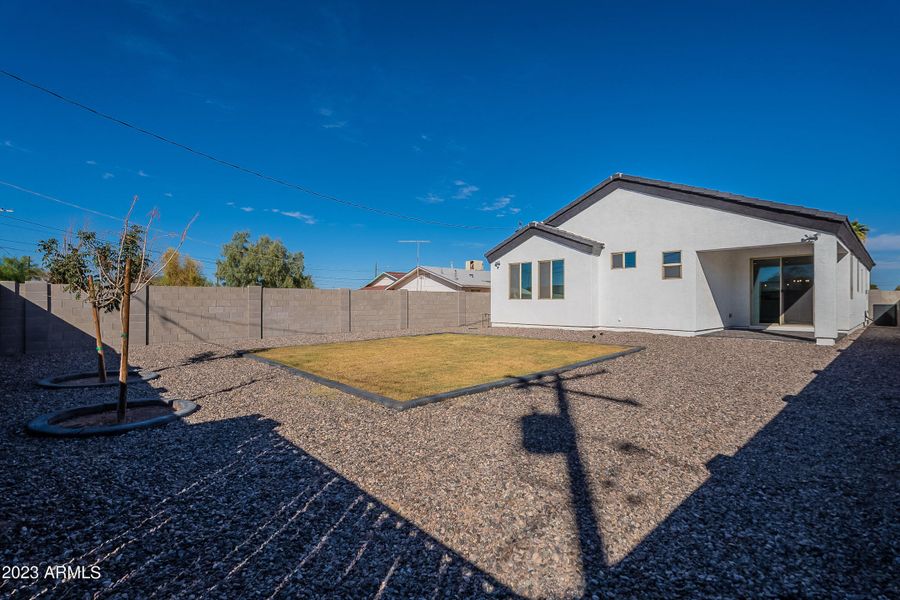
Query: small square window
(671, 261)
(624, 260)
(672, 272)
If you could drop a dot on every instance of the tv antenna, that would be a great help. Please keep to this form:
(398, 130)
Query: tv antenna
(418, 244)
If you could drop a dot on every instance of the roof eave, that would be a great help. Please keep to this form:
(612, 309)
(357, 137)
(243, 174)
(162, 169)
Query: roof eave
(798, 216)
(547, 232)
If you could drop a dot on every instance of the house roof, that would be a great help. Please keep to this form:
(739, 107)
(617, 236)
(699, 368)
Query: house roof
(458, 278)
(789, 214)
(392, 275)
(535, 229)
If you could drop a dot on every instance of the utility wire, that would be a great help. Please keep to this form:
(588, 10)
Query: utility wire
(92, 211)
(151, 251)
(247, 170)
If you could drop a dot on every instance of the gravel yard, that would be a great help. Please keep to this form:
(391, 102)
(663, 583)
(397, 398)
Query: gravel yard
(702, 466)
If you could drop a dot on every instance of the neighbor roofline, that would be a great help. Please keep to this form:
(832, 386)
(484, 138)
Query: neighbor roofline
(377, 277)
(790, 214)
(535, 229)
(430, 272)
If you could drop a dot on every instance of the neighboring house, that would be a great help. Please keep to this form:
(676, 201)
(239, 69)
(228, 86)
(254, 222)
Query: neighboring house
(640, 254)
(444, 279)
(383, 280)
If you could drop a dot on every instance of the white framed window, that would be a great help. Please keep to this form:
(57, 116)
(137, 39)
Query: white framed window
(552, 279)
(520, 281)
(623, 260)
(671, 264)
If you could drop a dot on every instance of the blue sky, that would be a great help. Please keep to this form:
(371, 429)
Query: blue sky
(481, 114)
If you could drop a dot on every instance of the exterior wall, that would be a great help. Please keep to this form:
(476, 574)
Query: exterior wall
(441, 308)
(477, 308)
(577, 309)
(375, 312)
(289, 312)
(724, 284)
(36, 317)
(883, 297)
(185, 314)
(852, 272)
(714, 291)
(383, 280)
(640, 297)
(423, 283)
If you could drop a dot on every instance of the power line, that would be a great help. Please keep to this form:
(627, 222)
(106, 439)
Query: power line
(92, 211)
(236, 166)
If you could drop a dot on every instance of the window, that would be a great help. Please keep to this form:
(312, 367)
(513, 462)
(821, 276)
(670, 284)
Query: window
(520, 281)
(671, 265)
(624, 260)
(551, 280)
(851, 277)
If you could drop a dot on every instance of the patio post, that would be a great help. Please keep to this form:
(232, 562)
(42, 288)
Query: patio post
(825, 293)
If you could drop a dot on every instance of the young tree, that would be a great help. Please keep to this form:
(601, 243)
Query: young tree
(19, 269)
(266, 262)
(73, 265)
(180, 272)
(860, 229)
(122, 270)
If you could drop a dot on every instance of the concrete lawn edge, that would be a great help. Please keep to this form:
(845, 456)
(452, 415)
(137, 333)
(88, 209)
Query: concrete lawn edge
(465, 391)
(112, 378)
(45, 425)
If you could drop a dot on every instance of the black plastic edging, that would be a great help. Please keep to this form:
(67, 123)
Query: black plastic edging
(421, 401)
(45, 425)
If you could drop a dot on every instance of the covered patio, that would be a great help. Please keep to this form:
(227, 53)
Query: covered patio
(789, 290)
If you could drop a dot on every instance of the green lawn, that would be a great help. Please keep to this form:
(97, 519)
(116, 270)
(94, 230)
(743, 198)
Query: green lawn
(405, 368)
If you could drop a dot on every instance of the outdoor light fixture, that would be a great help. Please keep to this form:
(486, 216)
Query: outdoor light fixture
(810, 237)
(497, 265)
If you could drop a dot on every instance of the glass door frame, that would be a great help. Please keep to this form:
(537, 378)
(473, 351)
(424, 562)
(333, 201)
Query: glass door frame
(781, 290)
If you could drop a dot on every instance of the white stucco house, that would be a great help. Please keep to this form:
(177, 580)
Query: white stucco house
(383, 280)
(443, 279)
(636, 254)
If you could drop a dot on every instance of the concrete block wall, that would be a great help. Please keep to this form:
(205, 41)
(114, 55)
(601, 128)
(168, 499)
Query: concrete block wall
(433, 309)
(883, 297)
(37, 317)
(289, 312)
(477, 309)
(12, 319)
(185, 314)
(375, 310)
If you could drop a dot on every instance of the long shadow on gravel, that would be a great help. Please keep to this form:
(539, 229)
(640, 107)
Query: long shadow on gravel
(807, 508)
(225, 509)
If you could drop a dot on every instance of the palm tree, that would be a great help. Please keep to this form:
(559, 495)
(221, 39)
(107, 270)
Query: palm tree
(860, 229)
(19, 269)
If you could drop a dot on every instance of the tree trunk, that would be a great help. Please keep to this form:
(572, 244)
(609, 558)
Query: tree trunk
(101, 361)
(123, 364)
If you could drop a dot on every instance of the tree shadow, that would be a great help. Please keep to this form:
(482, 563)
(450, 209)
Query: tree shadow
(245, 513)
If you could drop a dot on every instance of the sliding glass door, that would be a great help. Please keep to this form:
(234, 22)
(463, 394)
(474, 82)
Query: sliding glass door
(782, 292)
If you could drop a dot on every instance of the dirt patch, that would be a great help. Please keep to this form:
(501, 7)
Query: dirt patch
(132, 415)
